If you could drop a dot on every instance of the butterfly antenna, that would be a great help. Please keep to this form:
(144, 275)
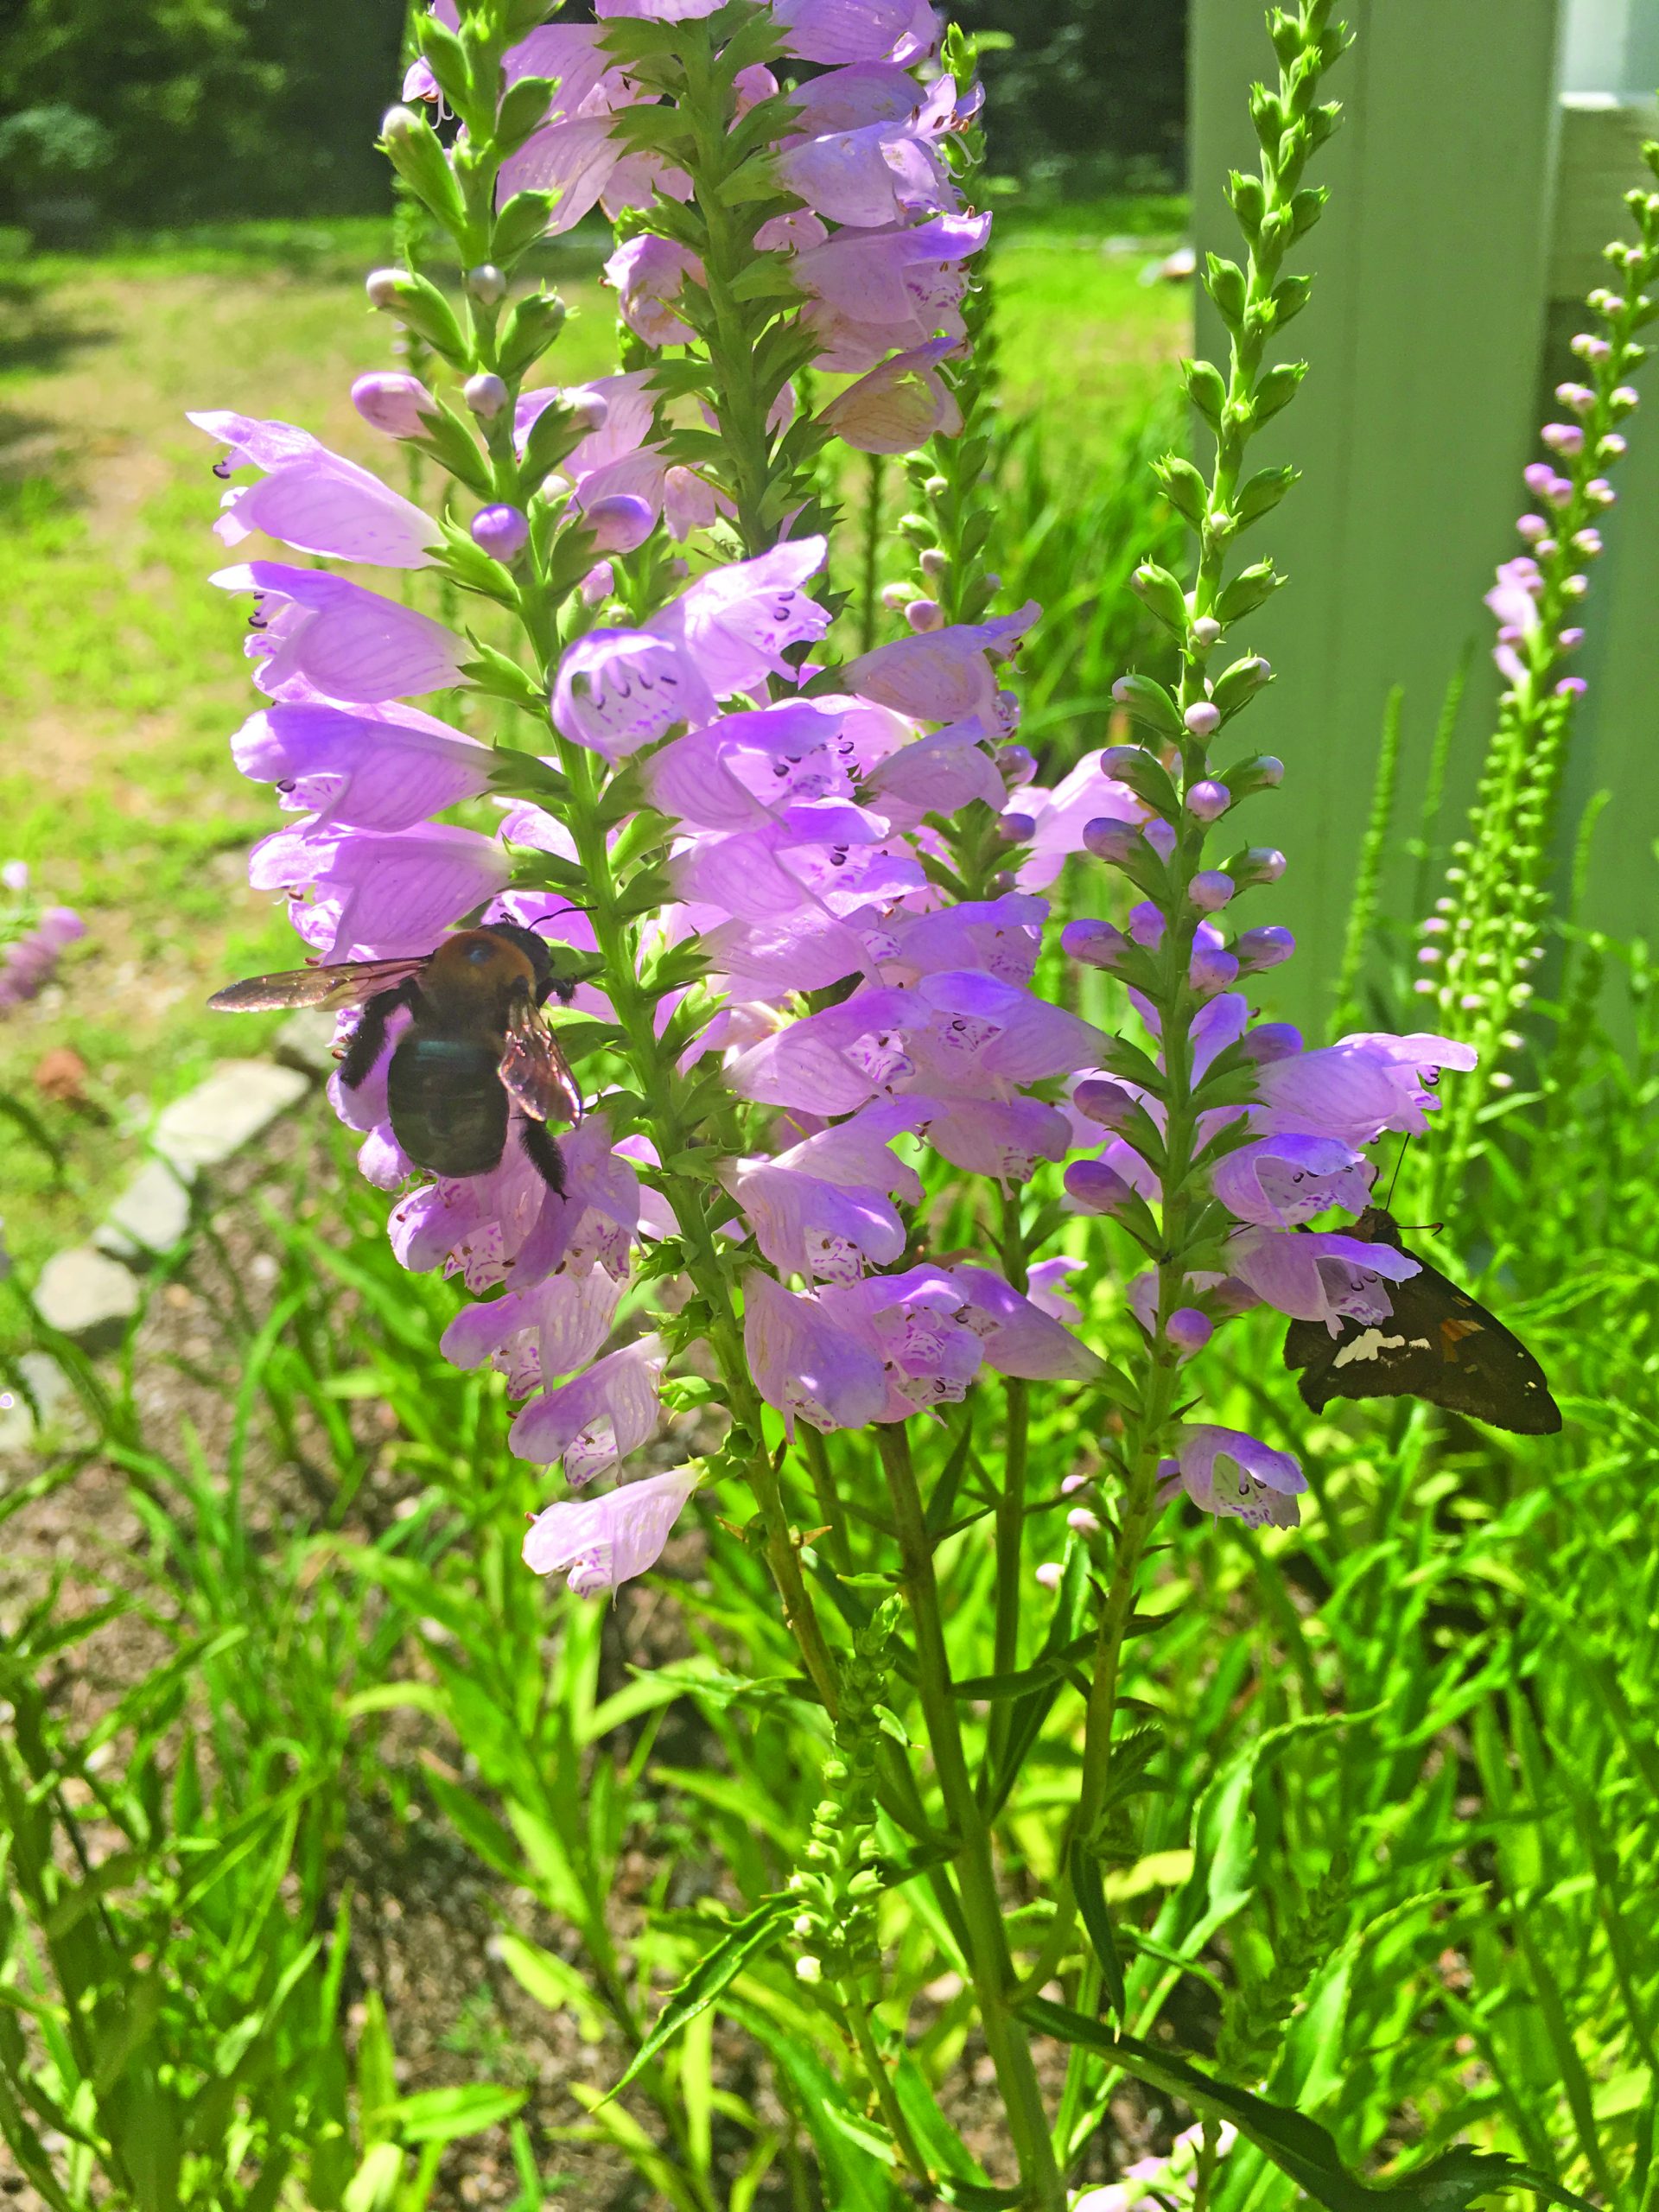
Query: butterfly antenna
(1405, 1144)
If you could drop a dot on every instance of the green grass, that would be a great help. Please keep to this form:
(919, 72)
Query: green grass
(121, 674)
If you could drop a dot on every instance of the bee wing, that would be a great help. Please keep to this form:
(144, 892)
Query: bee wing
(349, 984)
(534, 1069)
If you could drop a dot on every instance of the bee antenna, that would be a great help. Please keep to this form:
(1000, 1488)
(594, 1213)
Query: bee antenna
(1405, 1143)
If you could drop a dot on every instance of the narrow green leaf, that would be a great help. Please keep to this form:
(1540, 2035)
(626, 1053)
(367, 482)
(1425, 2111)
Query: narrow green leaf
(445, 2115)
(741, 1943)
(1090, 1894)
(1298, 2145)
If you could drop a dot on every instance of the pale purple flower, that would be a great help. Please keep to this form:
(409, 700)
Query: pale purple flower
(530, 1336)
(370, 768)
(806, 1225)
(939, 774)
(605, 1541)
(1049, 1291)
(1003, 936)
(312, 499)
(805, 1365)
(840, 31)
(378, 897)
(899, 405)
(321, 634)
(648, 274)
(14, 877)
(945, 676)
(1357, 1089)
(736, 622)
(28, 962)
(618, 690)
(595, 1420)
(1283, 1181)
(1318, 1276)
(874, 290)
(1225, 1472)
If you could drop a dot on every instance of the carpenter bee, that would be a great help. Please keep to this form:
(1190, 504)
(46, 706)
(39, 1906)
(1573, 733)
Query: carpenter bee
(476, 1046)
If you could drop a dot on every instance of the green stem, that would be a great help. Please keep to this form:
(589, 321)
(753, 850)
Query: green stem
(989, 1963)
(858, 2021)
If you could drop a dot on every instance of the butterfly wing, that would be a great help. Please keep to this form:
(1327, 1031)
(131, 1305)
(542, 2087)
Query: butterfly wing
(1439, 1344)
(352, 982)
(535, 1071)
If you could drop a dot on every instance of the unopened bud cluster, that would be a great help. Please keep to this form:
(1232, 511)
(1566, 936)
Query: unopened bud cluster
(1479, 946)
(840, 1884)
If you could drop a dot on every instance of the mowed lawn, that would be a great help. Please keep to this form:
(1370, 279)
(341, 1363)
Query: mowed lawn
(121, 670)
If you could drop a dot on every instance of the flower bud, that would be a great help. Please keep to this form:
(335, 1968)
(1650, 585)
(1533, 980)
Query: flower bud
(502, 532)
(1072, 1485)
(397, 404)
(809, 1969)
(1051, 1575)
(935, 565)
(487, 285)
(1571, 687)
(383, 287)
(923, 615)
(1564, 438)
(598, 584)
(1270, 771)
(1208, 802)
(1017, 766)
(485, 394)
(1274, 1040)
(1083, 1520)
(1211, 890)
(1532, 528)
(1211, 968)
(1587, 543)
(1188, 1331)
(1108, 839)
(1107, 1103)
(1096, 1188)
(1570, 640)
(620, 521)
(802, 1923)
(1096, 944)
(1203, 720)
(1264, 948)
(1262, 864)
(14, 876)
(1206, 633)
(1016, 829)
(1160, 835)
(895, 597)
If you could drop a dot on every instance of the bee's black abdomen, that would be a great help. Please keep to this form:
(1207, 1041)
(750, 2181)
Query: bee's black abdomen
(448, 1110)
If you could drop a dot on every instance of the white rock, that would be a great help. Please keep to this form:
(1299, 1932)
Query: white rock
(238, 1101)
(151, 1216)
(49, 1386)
(306, 1041)
(83, 1294)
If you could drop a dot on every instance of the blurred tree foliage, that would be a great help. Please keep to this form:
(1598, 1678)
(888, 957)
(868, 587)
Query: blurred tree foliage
(177, 110)
(201, 108)
(1091, 95)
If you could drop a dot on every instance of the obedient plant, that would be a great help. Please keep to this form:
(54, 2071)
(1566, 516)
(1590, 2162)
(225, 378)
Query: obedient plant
(823, 1015)
(1485, 936)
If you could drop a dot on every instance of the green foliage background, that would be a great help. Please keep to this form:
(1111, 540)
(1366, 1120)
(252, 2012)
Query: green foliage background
(241, 107)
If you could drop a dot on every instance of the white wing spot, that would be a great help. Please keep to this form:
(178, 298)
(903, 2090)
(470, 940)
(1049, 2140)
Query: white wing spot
(1370, 1344)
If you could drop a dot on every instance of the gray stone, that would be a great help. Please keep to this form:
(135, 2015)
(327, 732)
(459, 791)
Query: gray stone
(85, 1294)
(238, 1101)
(306, 1041)
(49, 1387)
(150, 1217)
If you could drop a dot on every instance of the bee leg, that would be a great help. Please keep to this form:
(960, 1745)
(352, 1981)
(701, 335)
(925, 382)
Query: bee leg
(369, 1038)
(544, 1154)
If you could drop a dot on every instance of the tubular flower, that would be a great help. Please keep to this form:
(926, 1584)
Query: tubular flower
(605, 1541)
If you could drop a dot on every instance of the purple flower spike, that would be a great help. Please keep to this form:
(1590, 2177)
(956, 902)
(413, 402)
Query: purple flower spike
(398, 406)
(605, 1541)
(620, 523)
(503, 532)
(1227, 1473)
(1188, 1331)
